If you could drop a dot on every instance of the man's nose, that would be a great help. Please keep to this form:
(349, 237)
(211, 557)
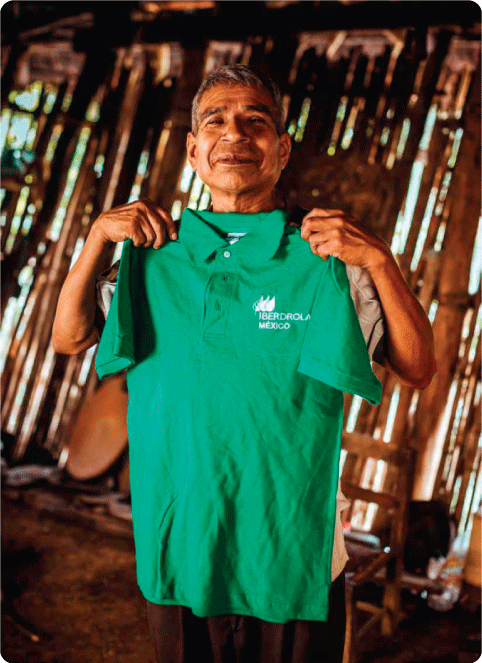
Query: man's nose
(234, 130)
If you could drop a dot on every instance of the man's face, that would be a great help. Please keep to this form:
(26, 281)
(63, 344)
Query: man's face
(236, 149)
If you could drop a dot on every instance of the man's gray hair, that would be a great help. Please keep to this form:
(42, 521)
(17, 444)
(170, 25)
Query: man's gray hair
(239, 74)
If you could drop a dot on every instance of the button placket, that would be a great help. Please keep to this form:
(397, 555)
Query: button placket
(218, 297)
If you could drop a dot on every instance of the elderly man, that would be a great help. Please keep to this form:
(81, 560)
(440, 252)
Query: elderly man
(239, 333)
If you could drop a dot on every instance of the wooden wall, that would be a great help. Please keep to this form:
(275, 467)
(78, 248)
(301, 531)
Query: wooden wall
(385, 124)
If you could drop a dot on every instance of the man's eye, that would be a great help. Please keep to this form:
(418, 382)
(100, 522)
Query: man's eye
(215, 120)
(258, 119)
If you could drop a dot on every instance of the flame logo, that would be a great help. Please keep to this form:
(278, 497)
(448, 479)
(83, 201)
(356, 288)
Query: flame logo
(264, 304)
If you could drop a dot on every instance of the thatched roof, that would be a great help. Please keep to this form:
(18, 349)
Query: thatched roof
(164, 21)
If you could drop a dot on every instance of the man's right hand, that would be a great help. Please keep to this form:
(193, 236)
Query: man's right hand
(142, 221)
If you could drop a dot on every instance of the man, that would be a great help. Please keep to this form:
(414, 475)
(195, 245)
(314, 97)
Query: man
(239, 336)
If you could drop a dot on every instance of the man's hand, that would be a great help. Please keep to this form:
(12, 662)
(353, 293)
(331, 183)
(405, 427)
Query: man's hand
(409, 340)
(334, 233)
(142, 221)
(145, 224)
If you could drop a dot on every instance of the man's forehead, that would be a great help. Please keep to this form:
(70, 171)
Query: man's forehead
(226, 95)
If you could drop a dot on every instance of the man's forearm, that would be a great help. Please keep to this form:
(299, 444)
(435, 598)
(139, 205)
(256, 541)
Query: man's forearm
(73, 329)
(409, 338)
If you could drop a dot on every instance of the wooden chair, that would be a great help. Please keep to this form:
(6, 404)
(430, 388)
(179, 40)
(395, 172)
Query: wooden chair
(376, 556)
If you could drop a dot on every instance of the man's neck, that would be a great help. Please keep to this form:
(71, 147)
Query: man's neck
(248, 203)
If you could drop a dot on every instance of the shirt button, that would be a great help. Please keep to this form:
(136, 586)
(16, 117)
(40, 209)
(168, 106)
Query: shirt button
(227, 254)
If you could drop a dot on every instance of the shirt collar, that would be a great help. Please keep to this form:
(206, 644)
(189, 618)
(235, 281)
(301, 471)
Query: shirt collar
(202, 233)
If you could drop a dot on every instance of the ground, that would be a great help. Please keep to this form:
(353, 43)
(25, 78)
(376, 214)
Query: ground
(74, 587)
(69, 595)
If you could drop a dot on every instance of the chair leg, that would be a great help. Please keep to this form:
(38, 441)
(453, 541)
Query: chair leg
(392, 612)
(349, 651)
(392, 601)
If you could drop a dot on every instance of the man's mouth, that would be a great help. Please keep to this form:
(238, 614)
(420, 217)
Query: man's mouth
(235, 159)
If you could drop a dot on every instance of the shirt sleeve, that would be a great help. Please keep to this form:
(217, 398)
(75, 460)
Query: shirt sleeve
(334, 349)
(116, 350)
(104, 291)
(105, 286)
(368, 309)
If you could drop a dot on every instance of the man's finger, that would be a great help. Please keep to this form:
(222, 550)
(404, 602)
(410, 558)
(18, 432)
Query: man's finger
(315, 223)
(152, 230)
(319, 250)
(156, 223)
(324, 213)
(169, 222)
(138, 237)
(319, 237)
(323, 246)
(314, 226)
(153, 222)
(319, 218)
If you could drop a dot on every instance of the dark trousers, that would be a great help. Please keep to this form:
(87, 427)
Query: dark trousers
(181, 637)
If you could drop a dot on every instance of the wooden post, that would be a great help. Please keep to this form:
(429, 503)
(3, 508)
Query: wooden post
(162, 182)
(93, 74)
(453, 286)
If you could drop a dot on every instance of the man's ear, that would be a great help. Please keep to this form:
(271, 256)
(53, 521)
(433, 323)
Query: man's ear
(191, 149)
(285, 148)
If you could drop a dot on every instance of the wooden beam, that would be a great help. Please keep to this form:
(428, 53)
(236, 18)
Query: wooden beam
(227, 21)
(354, 492)
(232, 21)
(163, 179)
(366, 446)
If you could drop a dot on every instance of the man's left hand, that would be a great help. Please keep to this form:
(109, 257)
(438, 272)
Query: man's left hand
(332, 232)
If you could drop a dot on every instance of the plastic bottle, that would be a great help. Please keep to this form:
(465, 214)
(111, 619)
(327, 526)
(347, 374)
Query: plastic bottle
(451, 576)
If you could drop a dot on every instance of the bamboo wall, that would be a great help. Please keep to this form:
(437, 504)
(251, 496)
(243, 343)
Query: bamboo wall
(385, 124)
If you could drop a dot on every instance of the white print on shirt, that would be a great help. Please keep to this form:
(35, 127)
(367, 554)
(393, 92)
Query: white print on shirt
(264, 304)
(271, 319)
(234, 237)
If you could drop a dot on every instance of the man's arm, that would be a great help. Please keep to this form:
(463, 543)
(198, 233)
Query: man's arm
(74, 330)
(409, 339)
(146, 224)
(408, 333)
(369, 311)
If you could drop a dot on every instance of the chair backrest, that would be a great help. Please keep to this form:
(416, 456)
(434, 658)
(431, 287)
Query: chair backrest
(381, 474)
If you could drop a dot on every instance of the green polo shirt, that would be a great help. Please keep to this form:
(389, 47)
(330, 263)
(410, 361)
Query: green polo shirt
(238, 356)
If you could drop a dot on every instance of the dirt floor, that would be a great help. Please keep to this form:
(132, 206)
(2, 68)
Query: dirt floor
(72, 586)
(70, 596)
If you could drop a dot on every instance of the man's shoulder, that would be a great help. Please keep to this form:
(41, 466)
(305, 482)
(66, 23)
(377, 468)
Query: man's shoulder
(296, 215)
(292, 233)
(139, 257)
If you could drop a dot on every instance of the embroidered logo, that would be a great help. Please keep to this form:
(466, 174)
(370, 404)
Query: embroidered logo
(264, 304)
(269, 318)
